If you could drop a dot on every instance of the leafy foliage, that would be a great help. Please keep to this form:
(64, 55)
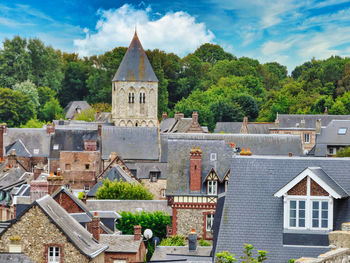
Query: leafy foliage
(344, 152)
(52, 110)
(33, 123)
(123, 191)
(226, 257)
(204, 243)
(177, 240)
(28, 88)
(86, 115)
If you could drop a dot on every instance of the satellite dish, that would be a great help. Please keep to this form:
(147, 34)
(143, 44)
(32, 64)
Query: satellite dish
(148, 233)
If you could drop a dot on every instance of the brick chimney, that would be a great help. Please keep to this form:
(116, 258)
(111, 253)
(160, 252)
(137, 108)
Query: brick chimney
(195, 126)
(38, 189)
(318, 126)
(164, 116)
(94, 226)
(195, 169)
(50, 128)
(244, 127)
(11, 159)
(137, 232)
(38, 169)
(54, 181)
(99, 130)
(2, 132)
(179, 116)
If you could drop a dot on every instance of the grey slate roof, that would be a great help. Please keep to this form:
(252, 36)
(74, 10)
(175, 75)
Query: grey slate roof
(251, 213)
(329, 134)
(143, 169)
(36, 141)
(167, 124)
(290, 120)
(14, 257)
(115, 173)
(71, 140)
(19, 149)
(120, 243)
(129, 205)
(135, 65)
(71, 107)
(235, 127)
(131, 143)
(75, 232)
(11, 177)
(202, 254)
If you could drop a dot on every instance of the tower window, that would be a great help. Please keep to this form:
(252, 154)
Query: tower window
(142, 97)
(131, 97)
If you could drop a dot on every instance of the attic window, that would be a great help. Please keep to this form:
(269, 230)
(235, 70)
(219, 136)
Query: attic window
(342, 131)
(36, 151)
(213, 157)
(154, 176)
(55, 146)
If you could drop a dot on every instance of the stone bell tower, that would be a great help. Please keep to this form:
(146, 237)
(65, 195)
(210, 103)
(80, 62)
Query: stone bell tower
(135, 90)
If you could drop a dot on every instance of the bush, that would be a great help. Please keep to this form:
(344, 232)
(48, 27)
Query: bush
(86, 115)
(344, 152)
(123, 191)
(226, 257)
(204, 243)
(177, 240)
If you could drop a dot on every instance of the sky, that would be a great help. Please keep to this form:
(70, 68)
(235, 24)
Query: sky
(290, 32)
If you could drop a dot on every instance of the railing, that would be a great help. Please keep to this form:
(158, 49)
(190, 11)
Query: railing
(340, 255)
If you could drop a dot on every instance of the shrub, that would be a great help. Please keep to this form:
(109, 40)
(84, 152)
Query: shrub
(344, 152)
(177, 240)
(226, 257)
(204, 243)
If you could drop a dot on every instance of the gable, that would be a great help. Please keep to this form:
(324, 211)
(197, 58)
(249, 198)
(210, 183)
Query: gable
(67, 203)
(300, 188)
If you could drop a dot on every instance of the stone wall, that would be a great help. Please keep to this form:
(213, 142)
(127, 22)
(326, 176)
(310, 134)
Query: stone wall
(187, 219)
(128, 114)
(35, 230)
(306, 146)
(155, 187)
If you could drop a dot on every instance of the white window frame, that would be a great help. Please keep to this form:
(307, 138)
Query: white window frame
(308, 136)
(163, 193)
(36, 151)
(55, 146)
(308, 209)
(297, 214)
(342, 131)
(54, 258)
(209, 218)
(334, 149)
(212, 184)
(226, 185)
(213, 157)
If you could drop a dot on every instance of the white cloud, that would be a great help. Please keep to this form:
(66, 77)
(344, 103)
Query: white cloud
(173, 32)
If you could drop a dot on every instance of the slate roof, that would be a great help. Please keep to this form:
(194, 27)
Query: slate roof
(120, 243)
(135, 65)
(75, 232)
(35, 141)
(251, 213)
(167, 124)
(143, 169)
(81, 217)
(71, 107)
(71, 140)
(290, 120)
(131, 143)
(11, 177)
(115, 173)
(329, 134)
(181, 254)
(15, 257)
(235, 127)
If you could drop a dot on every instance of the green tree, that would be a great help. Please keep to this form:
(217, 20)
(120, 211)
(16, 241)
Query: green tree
(15, 108)
(174, 241)
(86, 115)
(28, 88)
(33, 123)
(45, 94)
(123, 191)
(52, 110)
(344, 152)
(212, 53)
(338, 108)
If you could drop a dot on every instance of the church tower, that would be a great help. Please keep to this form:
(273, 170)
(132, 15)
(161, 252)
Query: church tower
(135, 90)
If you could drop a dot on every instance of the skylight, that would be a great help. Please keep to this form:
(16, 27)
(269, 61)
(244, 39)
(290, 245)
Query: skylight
(342, 131)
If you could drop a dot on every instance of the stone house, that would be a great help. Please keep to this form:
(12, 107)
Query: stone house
(135, 90)
(284, 205)
(244, 127)
(180, 124)
(45, 232)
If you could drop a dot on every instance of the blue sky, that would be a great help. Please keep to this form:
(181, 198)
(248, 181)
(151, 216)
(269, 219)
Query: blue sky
(288, 31)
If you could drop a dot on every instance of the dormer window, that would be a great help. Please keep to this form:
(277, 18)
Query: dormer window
(55, 146)
(154, 176)
(342, 131)
(213, 157)
(308, 200)
(212, 183)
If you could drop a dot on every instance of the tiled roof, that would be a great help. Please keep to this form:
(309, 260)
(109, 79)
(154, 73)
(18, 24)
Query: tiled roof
(135, 65)
(251, 213)
(235, 127)
(329, 134)
(291, 120)
(120, 243)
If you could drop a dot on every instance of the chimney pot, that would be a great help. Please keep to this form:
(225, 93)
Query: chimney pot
(164, 116)
(195, 168)
(290, 154)
(50, 128)
(179, 116)
(94, 227)
(99, 130)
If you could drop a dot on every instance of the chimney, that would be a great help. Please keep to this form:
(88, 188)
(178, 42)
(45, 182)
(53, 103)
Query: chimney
(50, 128)
(38, 189)
(54, 181)
(318, 125)
(194, 117)
(326, 110)
(195, 169)
(192, 240)
(277, 121)
(244, 127)
(290, 154)
(99, 130)
(11, 159)
(179, 116)
(164, 116)
(302, 123)
(2, 132)
(38, 169)
(137, 232)
(94, 226)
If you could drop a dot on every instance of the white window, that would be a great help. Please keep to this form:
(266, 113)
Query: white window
(119, 261)
(307, 137)
(342, 131)
(55, 146)
(297, 213)
(163, 193)
(210, 220)
(54, 255)
(320, 214)
(226, 185)
(154, 176)
(332, 151)
(212, 187)
(213, 157)
(36, 151)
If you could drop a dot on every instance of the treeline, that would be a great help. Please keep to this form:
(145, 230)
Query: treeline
(37, 81)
